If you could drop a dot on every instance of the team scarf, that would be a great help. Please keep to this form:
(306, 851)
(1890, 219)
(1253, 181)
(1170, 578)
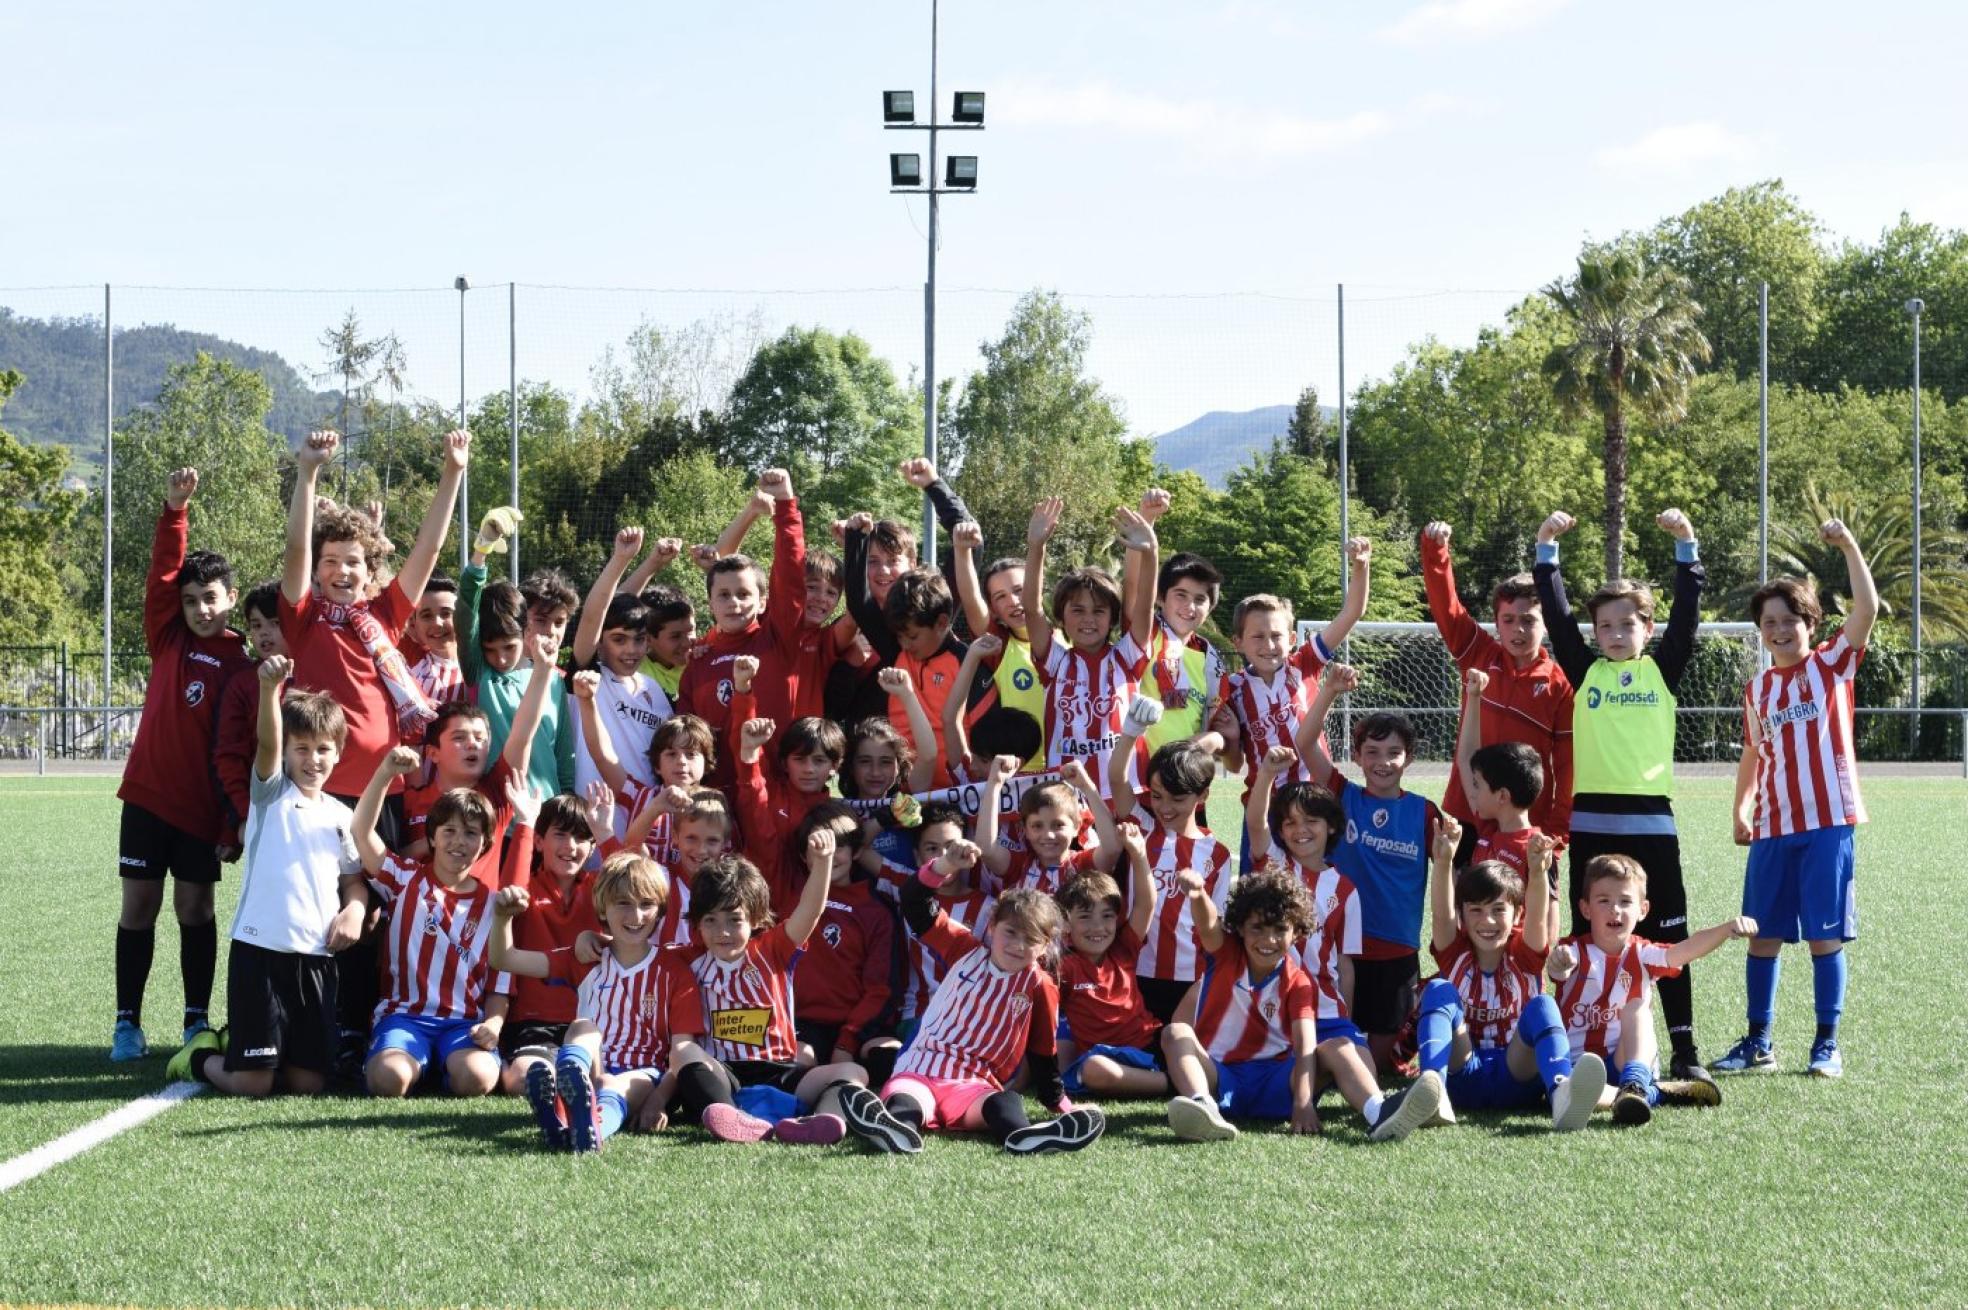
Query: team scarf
(1171, 671)
(413, 708)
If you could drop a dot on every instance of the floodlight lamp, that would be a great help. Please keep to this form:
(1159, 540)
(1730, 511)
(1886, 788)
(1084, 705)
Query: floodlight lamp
(905, 170)
(461, 285)
(898, 106)
(968, 107)
(962, 172)
(1915, 305)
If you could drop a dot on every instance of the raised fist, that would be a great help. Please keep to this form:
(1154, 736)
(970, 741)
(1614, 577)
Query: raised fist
(1475, 682)
(274, 669)
(917, 472)
(861, 521)
(1359, 550)
(318, 449)
(704, 557)
(895, 682)
(987, 645)
(1437, 532)
(820, 845)
(628, 543)
(967, 535)
(744, 669)
(1155, 502)
(1557, 525)
(180, 485)
(1835, 533)
(757, 732)
(1278, 759)
(1003, 767)
(1341, 677)
(1143, 713)
(402, 759)
(457, 449)
(1676, 524)
(585, 684)
(776, 483)
(511, 901)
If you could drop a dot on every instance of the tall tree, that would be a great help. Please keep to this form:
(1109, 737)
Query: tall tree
(1867, 339)
(350, 355)
(35, 514)
(1307, 433)
(1631, 347)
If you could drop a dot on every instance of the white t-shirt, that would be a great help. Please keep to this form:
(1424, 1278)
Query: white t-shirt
(297, 851)
(630, 709)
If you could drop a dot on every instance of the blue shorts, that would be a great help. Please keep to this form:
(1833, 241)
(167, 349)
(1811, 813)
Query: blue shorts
(1799, 887)
(1486, 1083)
(1331, 1028)
(1128, 1057)
(765, 1102)
(1255, 1089)
(430, 1042)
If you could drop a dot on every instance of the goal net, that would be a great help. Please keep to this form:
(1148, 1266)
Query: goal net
(1405, 667)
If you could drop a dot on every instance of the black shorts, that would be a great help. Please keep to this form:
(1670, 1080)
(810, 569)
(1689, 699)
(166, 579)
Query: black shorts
(1384, 992)
(148, 847)
(280, 1010)
(1162, 996)
(1667, 894)
(784, 1075)
(822, 1037)
(531, 1037)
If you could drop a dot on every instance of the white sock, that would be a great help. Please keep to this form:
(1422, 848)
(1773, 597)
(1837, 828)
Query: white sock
(1373, 1107)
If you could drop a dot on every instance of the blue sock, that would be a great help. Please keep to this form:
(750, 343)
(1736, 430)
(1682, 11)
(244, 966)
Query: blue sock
(1762, 973)
(614, 1109)
(1637, 1071)
(1441, 1006)
(1828, 984)
(578, 1054)
(1542, 1031)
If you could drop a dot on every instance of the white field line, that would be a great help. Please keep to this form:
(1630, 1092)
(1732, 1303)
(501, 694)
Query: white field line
(92, 1134)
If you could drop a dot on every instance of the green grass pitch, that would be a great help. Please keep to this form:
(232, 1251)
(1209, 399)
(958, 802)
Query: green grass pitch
(1793, 1191)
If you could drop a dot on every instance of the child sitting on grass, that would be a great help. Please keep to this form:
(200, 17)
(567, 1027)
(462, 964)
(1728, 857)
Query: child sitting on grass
(1116, 1042)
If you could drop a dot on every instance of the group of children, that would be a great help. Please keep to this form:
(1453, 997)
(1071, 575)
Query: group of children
(809, 874)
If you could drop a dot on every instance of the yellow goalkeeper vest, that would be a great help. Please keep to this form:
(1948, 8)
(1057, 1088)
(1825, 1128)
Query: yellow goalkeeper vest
(1623, 730)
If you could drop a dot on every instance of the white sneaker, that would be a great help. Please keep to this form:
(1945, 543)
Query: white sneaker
(1445, 1113)
(1197, 1119)
(1574, 1100)
(1405, 1111)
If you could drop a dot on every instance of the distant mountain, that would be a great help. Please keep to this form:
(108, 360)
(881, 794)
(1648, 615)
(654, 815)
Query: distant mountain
(61, 359)
(1219, 441)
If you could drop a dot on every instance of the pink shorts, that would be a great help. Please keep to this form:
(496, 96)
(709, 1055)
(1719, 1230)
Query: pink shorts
(951, 1097)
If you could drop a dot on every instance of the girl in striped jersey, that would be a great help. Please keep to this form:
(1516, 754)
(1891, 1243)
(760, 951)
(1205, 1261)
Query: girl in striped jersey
(996, 1005)
(1245, 1040)
(744, 1039)
(1090, 677)
(610, 1062)
(441, 1002)
(1484, 1023)
(1605, 985)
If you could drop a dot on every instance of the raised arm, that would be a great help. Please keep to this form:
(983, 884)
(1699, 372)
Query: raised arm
(1677, 645)
(1138, 534)
(966, 542)
(1469, 730)
(1359, 574)
(1143, 713)
(417, 566)
(297, 563)
(1701, 943)
(996, 858)
(163, 599)
(732, 539)
(1277, 761)
(813, 897)
(500, 954)
(594, 610)
(1335, 681)
(902, 689)
(1561, 625)
(538, 647)
(785, 594)
(362, 830)
(1038, 628)
(471, 587)
(1540, 893)
(956, 737)
(273, 673)
(1465, 638)
(1202, 910)
(665, 550)
(1441, 884)
(1141, 879)
(1865, 594)
(601, 748)
(1108, 853)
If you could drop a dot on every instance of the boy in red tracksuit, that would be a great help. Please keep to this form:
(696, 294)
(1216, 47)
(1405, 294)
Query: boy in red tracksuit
(849, 983)
(747, 620)
(173, 808)
(1529, 698)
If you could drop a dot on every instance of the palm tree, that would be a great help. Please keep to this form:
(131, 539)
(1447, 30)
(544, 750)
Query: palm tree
(1634, 348)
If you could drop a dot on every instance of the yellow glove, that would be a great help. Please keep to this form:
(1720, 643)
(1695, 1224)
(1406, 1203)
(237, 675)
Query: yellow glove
(495, 527)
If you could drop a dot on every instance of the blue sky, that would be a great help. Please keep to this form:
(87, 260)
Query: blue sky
(1438, 156)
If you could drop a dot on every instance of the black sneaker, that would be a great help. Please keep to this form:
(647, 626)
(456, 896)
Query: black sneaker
(1072, 1131)
(351, 1061)
(1630, 1107)
(871, 1121)
(1688, 1068)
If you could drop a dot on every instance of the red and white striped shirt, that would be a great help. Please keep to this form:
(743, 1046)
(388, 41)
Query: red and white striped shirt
(675, 928)
(971, 910)
(1238, 1020)
(1169, 949)
(982, 1020)
(436, 945)
(1025, 871)
(1599, 991)
(632, 1005)
(1799, 722)
(1087, 698)
(1335, 928)
(1269, 710)
(659, 845)
(1491, 1002)
(748, 1003)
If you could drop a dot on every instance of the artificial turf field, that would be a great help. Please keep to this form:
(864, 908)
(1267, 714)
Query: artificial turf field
(1793, 1191)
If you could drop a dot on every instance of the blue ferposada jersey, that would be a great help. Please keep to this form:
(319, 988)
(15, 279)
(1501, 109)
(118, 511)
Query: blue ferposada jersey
(1384, 850)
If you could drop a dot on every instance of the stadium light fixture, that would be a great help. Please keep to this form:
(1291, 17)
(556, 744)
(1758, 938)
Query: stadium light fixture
(962, 173)
(967, 107)
(898, 106)
(905, 170)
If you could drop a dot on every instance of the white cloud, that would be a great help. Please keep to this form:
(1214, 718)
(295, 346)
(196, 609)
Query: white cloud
(1213, 125)
(1450, 19)
(1676, 146)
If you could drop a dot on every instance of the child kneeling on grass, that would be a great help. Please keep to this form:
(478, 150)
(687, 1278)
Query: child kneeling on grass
(996, 1004)
(1245, 1039)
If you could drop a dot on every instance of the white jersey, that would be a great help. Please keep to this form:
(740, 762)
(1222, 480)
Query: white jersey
(297, 851)
(630, 709)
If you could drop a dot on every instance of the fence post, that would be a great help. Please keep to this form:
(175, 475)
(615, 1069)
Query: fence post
(41, 745)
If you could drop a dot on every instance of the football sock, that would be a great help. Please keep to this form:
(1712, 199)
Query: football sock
(880, 1064)
(1677, 997)
(699, 1085)
(906, 1110)
(1004, 1114)
(198, 957)
(1828, 985)
(576, 1053)
(614, 1109)
(1762, 972)
(133, 952)
(1638, 1071)
(1542, 1031)
(1441, 1005)
(199, 1059)
(1371, 1110)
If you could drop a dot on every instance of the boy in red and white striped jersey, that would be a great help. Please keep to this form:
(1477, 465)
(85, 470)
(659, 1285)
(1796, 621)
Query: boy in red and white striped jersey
(1244, 1041)
(995, 1006)
(1116, 1042)
(442, 1003)
(1049, 819)
(1179, 777)
(1797, 801)
(743, 964)
(1605, 985)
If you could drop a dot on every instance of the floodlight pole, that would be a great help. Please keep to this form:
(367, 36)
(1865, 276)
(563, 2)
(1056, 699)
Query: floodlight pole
(464, 483)
(109, 500)
(512, 411)
(1914, 307)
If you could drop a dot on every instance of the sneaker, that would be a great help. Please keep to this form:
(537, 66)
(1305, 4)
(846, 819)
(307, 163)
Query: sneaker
(1574, 1100)
(1072, 1131)
(1689, 1068)
(1197, 1119)
(1826, 1062)
(728, 1123)
(543, 1094)
(1445, 1113)
(577, 1093)
(1701, 1092)
(351, 1060)
(179, 1070)
(871, 1121)
(1630, 1107)
(809, 1130)
(1747, 1056)
(1409, 1109)
(127, 1042)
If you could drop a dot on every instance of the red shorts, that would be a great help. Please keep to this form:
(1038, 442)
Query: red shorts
(950, 1098)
